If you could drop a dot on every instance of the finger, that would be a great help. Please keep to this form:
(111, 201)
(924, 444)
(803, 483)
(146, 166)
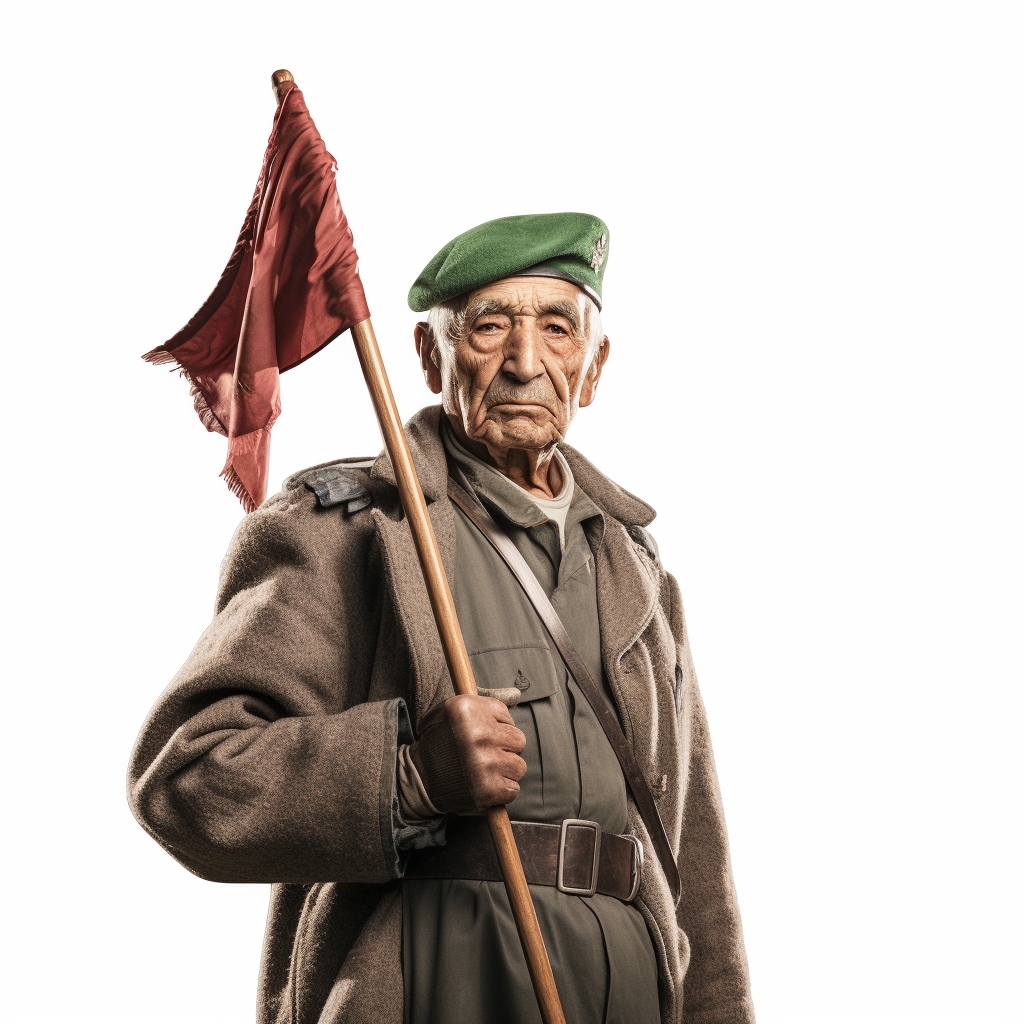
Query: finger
(505, 793)
(500, 712)
(494, 790)
(508, 695)
(513, 767)
(508, 737)
(466, 710)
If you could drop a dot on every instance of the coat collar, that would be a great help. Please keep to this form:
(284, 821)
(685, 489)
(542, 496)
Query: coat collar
(424, 437)
(612, 499)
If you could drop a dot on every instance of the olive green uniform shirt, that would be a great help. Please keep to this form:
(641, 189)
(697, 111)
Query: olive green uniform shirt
(462, 961)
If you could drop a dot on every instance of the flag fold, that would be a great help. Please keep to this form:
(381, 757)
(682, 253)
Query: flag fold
(291, 286)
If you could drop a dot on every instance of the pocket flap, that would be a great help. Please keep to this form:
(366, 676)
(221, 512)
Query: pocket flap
(531, 670)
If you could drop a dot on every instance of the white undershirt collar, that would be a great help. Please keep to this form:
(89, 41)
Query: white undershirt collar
(555, 509)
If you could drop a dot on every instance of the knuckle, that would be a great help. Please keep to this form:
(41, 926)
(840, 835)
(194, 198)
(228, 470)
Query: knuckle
(456, 709)
(477, 734)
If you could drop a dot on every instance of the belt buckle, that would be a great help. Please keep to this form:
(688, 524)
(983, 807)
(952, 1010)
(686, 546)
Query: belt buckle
(571, 890)
(636, 866)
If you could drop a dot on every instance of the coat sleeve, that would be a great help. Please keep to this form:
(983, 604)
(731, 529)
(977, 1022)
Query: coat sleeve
(716, 988)
(262, 762)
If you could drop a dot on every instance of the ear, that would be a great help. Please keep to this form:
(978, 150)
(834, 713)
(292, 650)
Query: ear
(427, 351)
(589, 391)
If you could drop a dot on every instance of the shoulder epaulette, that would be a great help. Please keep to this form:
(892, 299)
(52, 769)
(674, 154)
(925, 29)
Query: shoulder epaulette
(336, 483)
(646, 541)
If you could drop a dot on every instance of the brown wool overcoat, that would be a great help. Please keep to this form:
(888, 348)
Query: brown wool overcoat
(270, 757)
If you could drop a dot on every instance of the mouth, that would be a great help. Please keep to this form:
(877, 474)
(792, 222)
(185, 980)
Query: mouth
(509, 404)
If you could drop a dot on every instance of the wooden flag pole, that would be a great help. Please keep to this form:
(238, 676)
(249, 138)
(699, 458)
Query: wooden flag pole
(451, 639)
(456, 656)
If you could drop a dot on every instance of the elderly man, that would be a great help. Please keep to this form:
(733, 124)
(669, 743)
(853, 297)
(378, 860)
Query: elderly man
(312, 739)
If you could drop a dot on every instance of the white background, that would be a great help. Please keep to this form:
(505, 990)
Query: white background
(814, 300)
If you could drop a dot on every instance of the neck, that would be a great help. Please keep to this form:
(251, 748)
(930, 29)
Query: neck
(536, 471)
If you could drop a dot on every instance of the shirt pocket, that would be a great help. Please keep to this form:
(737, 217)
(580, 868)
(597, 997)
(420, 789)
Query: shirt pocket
(550, 789)
(532, 670)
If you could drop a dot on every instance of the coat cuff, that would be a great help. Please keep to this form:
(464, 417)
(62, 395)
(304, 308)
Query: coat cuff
(402, 835)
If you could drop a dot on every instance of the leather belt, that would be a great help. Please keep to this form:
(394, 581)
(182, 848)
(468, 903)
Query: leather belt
(575, 856)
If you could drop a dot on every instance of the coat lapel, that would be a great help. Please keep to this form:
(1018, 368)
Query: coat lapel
(627, 591)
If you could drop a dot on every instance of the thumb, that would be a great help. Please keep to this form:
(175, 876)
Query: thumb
(508, 695)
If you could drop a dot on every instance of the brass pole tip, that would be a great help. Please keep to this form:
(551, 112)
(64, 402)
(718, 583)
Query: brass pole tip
(278, 79)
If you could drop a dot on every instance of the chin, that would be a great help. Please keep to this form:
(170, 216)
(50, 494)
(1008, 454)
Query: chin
(525, 436)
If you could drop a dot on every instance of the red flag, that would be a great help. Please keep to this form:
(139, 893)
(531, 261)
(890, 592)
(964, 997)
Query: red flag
(291, 286)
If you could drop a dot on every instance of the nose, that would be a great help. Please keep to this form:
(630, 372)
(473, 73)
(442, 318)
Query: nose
(523, 346)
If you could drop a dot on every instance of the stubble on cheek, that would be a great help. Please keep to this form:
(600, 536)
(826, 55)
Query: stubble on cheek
(463, 396)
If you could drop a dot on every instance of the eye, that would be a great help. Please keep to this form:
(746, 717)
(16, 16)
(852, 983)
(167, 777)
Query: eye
(557, 329)
(489, 327)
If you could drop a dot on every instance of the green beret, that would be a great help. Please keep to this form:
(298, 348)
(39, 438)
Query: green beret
(571, 246)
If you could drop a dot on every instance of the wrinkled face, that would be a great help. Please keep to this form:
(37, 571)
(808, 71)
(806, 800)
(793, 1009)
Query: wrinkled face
(523, 365)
